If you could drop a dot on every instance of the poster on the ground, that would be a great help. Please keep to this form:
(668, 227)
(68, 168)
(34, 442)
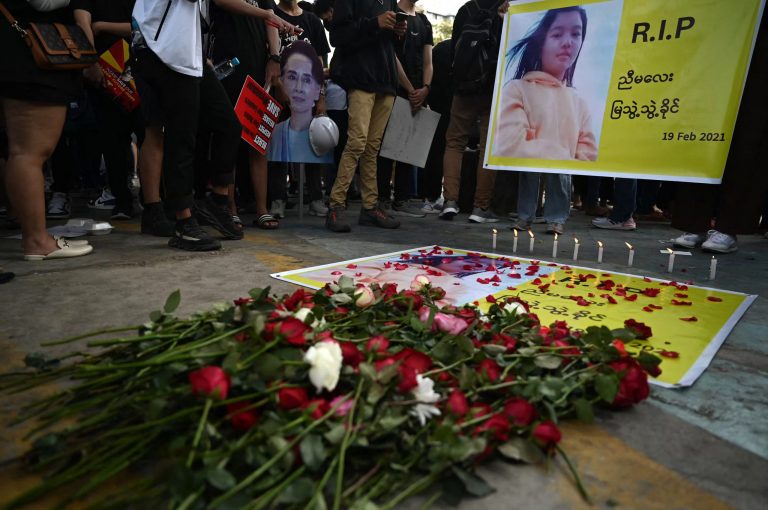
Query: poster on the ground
(689, 323)
(627, 88)
(409, 135)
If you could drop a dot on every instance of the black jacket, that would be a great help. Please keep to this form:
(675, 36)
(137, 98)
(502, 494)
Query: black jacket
(365, 55)
(463, 15)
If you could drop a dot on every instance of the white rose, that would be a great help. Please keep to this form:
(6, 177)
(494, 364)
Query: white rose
(419, 282)
(515, 308)
(364, 297)
(302, 313)
(325, 359)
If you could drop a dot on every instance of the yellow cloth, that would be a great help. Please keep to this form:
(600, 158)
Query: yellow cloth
(543, 118)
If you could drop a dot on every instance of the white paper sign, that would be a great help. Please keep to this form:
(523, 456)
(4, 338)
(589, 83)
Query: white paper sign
(408, 137)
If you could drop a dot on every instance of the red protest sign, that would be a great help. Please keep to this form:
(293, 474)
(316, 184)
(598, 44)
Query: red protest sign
(257, 112)
(117, 82)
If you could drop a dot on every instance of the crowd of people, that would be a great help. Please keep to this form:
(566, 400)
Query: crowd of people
(184, 140)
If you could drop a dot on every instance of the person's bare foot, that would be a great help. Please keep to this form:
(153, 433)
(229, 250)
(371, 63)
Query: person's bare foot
(42, 245)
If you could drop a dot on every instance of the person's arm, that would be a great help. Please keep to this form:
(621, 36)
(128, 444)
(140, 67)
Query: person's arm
(118, 29)
(350, 31)
(83, 20)
(272, 72)
(419, 96)
(268, 15)
(402, 78)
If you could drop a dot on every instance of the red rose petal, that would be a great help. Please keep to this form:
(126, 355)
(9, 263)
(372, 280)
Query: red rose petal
(714, 299)
(670, 354)
(681, 303)
(633, 297)
(335, 273)
(689, 319)
(648, 309)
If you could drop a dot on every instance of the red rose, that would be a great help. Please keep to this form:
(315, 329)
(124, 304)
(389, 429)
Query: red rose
(490, 368)
(350, 353)
(468, 314)
(569, 350)
(318, 408)
(457, 403)
(414, 359)
(240, 419)
(520, 411)
(547, 433)
(384, 363)
(291, 398)
(389, 290)
(243, 301)
(638, 328)
(378, 344)
(634, 383)
(503, 339)
(407, 378)
(210, 382)
(411, 299)
(437, 293)
(479, 409)
(498, 425)
(619, 346)
(296, 299)
(293, 329)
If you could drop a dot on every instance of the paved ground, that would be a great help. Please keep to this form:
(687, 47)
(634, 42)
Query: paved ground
(705, 447)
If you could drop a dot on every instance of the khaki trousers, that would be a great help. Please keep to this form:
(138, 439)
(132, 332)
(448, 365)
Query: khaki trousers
(368, 116)
(465, 112)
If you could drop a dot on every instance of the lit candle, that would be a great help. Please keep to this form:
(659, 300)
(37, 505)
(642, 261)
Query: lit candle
(575, 249)
(533, 238)
(713, 268)
(495, 233)
(554, 247)
(671, 263)
(631, 259)
(514, 242)
(599, 251)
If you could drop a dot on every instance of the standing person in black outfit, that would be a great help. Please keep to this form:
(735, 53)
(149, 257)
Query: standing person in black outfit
(34, 103)
(414, 53)
(314, 34)
(364, 33)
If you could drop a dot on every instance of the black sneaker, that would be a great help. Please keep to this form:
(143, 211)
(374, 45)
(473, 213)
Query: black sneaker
(154, 222)
(190, 236)
(211, 213)
(377, 218)
(121, 213)
(335, 221)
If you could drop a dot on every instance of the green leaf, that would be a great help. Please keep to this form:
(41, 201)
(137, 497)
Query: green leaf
(155, 316)
(376, 392)
(368, 371)
(445, 352)
(341, 299)
(493, 349)
(259, 294)
(336, 434)
(391, 422)
(521, 450)
(584, 410)
(387, 373)
(548, 361)
(347, 284)
(552, 388)
(473, 484)
(313, 451)
(267, 366)
(298, 492)
(607, 386)
(220, 478)
(172, 303)
(416, 324)
(624, 335)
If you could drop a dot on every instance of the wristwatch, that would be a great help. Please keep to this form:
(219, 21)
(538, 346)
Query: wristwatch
(274, 58)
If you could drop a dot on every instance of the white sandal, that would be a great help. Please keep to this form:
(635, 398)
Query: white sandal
(65, 250)
(73, 242)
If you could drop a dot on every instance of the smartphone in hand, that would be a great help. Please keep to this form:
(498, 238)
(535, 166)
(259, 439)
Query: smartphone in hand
(400, 17)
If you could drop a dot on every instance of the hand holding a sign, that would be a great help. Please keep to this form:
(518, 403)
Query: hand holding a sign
(283, 26)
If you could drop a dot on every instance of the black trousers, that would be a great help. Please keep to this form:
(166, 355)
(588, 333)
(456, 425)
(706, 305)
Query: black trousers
(115, 129)
(171, 100)
(218, 136)
(403, 179)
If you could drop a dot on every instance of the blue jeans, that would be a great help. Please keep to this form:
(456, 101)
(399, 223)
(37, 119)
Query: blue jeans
(557, 203)
(624, 199)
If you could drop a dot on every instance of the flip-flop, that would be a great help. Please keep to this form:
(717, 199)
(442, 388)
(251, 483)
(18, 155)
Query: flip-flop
(238, 222)
(267, 222)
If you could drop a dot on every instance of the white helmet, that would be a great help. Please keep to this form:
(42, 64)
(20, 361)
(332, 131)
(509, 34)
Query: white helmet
(323, 135)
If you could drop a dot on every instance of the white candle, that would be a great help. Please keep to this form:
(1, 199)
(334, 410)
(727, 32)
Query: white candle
(631, 258)
(514, 242)
(533, 238)
(713, 268)
(671, 263)
(599, 251)
(575, 249)
(554, 247)
(495, 233)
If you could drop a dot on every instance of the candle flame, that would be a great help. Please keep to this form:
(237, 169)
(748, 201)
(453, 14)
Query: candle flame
(670, 251)
(530, 233)
(600, 244)
(629, 246)
(576, 240)
(515, 231)
(495, 231)
(555, 236)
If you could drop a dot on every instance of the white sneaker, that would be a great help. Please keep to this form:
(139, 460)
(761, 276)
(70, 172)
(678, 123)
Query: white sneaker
(429, 207)
(688, 240)
(719, 243)
(278, 209)
(609, 224)
(482, 216)
(58, 207)
(450, 209)
(317, 208)
(106, 201)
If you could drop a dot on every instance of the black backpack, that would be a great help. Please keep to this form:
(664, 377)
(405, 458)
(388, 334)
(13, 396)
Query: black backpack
(477, 51)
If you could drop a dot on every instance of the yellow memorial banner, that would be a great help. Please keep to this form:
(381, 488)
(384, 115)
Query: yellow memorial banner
(627, 88)
(688, 323)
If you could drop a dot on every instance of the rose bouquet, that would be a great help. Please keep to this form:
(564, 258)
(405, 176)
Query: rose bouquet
(339, 398)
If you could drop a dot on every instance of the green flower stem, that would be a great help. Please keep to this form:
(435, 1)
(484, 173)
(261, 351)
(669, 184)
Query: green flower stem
(447, 367)
(576, 477)
(129, 340)
(189, 500)
(511, 326)
(431, 501)
(199, 431)
(418, 486)
(245, 482)
(266, 498)
(494, 387)
(344, 444)
(362, 480)
(90, 335)
(321, 484)
(256, 355)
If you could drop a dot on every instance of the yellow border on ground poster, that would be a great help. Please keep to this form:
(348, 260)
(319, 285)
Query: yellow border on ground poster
(689, 322)
(657, 84)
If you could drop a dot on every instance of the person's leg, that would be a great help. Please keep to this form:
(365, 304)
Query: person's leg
(313, 174)
(486, 179)
(557, 204)
(432, 174)
(33, 131)
(379, 116)
(277, 191)
(403, 182)
(624, 197)
(527, 197)
(694, 207)
(360, 109)
(259, 181)
(384, 169)
(62, 167)
(647, 191)
(456, 138)
(114, 135)
(151, 164)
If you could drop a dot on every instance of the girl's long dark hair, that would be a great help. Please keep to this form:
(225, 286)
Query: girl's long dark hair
(529, 47)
